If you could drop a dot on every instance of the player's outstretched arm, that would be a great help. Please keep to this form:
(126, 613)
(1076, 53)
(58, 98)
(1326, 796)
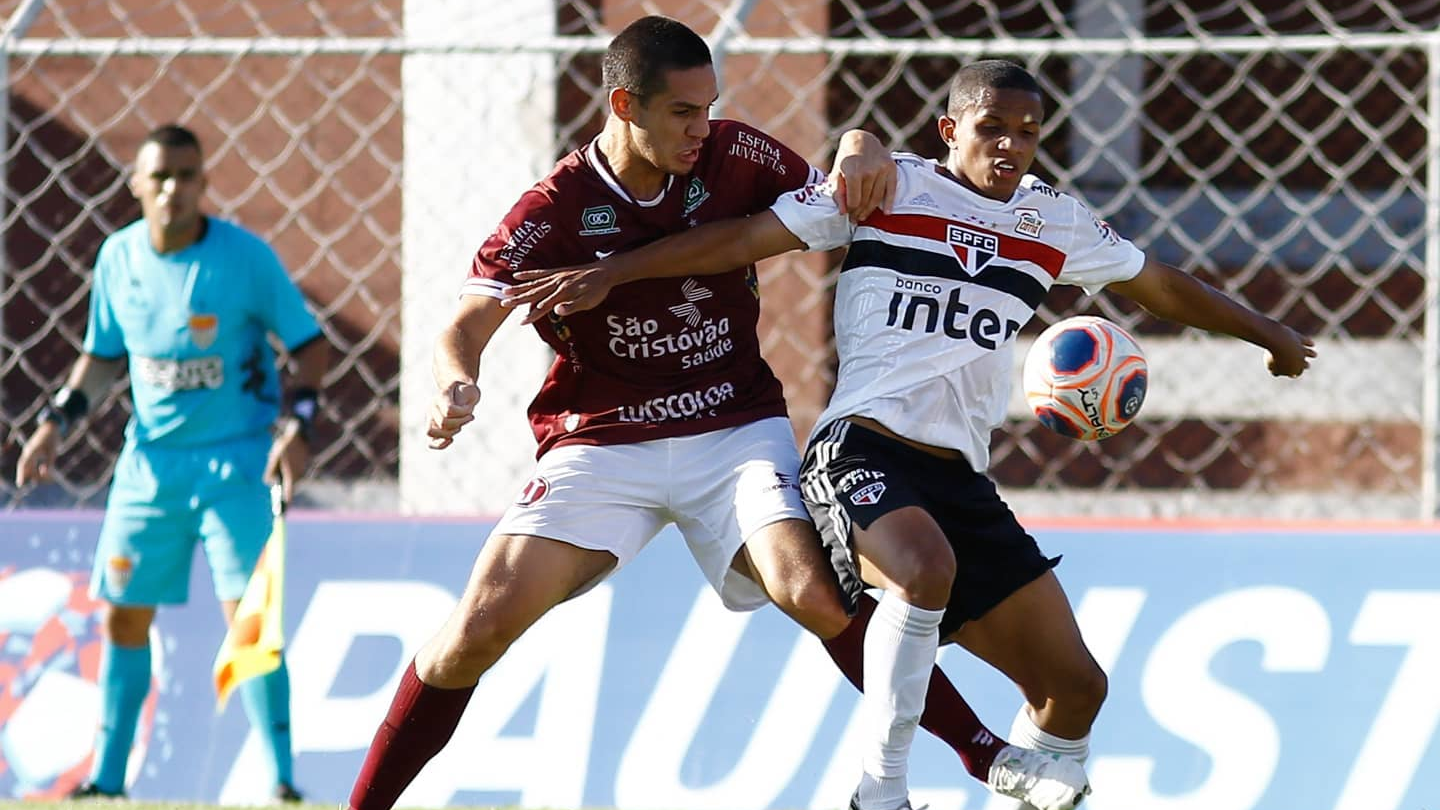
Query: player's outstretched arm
(1169, 293)
(716, 247)
(89, 381)
(456, 366)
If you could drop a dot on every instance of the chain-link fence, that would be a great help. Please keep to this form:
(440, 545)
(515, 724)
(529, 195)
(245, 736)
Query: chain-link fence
(1275, 149)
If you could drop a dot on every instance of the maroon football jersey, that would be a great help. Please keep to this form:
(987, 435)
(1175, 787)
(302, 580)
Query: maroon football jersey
(660, 357)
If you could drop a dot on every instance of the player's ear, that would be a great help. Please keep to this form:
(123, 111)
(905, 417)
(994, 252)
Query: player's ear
(947, 125)
(623, 103)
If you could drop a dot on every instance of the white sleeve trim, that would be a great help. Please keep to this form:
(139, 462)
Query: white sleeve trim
(485, 287)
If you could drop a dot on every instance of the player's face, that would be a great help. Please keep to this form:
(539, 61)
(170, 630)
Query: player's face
(670, 126)
(169, 182)
(993, 143)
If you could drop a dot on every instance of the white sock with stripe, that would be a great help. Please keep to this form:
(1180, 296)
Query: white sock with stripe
(1024, 733)
(900, 646)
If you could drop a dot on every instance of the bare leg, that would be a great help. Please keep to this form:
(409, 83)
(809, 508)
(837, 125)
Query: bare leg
(1032, 638)
(516, 579)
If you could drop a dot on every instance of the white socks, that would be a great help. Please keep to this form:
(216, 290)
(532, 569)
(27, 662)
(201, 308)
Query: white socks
(900, 646)
(1024, 733)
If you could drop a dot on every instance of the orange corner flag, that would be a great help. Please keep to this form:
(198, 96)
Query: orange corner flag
(253, 643)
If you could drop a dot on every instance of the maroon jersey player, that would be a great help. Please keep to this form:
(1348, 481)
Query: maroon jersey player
(673, 356)
(658, 409)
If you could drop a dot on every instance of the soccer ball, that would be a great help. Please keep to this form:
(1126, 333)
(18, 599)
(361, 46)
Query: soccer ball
(1085, 378)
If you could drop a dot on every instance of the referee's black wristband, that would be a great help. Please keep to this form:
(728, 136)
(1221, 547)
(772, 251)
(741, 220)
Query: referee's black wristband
(67, 407)
(303, 404)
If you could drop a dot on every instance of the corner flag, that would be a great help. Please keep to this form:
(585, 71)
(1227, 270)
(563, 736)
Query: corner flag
(253, 643)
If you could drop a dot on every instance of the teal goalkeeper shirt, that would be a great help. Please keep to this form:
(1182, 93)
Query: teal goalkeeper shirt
(193, 324)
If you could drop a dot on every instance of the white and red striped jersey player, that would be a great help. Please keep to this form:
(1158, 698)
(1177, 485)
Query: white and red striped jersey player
(931, 296)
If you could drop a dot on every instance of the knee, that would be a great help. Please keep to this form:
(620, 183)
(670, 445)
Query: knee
(128, 627)
(816, 603)
(1093, 688)
(1081, 690)
(924, 574)
(822, 614)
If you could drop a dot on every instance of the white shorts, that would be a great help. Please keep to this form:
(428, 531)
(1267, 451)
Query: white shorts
(718, 488)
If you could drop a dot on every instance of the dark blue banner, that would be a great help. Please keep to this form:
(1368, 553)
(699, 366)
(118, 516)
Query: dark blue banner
(1249, 667)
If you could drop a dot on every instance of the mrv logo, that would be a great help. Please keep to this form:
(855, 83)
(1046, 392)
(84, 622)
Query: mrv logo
(914, 305)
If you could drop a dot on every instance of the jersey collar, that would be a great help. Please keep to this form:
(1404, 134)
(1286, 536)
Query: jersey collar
(976, 198)
(597, 161)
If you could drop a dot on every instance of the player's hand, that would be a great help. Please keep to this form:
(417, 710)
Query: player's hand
(564, 290)
(864, 177)
(1289, 352)
(289, 456)
(37, 458)
(453, 408)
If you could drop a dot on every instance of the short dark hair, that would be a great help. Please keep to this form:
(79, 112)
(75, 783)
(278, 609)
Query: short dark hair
(174, 136)
(972, 80)
(640, 55)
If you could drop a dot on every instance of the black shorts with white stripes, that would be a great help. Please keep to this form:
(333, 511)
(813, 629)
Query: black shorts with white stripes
(852, 476)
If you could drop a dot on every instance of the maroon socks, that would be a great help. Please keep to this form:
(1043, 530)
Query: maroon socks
(420, 722)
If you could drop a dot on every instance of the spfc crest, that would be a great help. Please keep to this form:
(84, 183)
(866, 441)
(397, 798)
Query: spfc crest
(204, 327)
(974, 248)
(868, 495)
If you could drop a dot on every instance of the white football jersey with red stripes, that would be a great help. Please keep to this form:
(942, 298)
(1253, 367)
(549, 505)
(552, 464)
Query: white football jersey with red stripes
(931, 296)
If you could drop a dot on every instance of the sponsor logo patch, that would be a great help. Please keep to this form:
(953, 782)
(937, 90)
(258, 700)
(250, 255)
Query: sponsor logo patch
(179, 375)
(1045, 189)
(634, 339)
(854, 477)
(521, 242)
(1106, 232)
(693, 292)
(684, 405)
(758, 150)
(783, 481)
(533, 492)
(1030, 222)
(814, 192)
(598, 220)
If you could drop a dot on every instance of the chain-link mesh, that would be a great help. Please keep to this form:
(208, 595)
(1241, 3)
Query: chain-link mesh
(303, 150)
(1283, 162)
